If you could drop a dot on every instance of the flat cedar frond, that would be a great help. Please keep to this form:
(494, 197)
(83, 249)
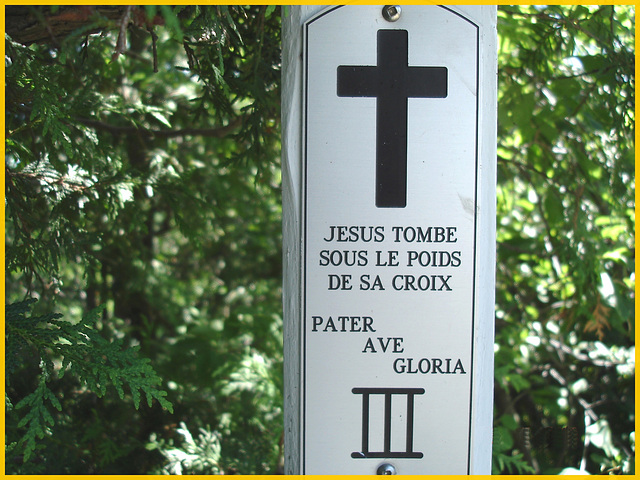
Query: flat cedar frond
(95, 361)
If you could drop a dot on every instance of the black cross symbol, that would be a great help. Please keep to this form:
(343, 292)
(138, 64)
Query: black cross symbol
(392, 82)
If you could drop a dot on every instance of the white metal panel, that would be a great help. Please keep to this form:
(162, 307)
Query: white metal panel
(393, 315)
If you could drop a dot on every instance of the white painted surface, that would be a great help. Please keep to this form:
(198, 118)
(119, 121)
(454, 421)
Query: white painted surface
(291, 212)
(329, 156)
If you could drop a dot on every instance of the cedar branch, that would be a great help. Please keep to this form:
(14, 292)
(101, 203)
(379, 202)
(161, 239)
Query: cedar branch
(214, 132)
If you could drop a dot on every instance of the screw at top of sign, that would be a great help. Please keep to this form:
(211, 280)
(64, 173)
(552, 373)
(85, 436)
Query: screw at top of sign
(386, 469)
(391, 13)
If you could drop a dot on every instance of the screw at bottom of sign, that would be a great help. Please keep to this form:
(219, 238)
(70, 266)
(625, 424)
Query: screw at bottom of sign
(386, 469)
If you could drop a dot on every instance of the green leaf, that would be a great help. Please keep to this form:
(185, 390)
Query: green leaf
(160, 117)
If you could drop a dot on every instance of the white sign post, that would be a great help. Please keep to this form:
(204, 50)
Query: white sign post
(389, 119)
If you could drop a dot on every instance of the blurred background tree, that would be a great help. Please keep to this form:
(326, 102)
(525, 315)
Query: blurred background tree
(565, 327)
(141, 176)
(142, 193)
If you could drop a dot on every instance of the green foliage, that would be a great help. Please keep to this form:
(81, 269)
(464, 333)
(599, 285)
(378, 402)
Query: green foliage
(200, 456)
(141, 176)
(76, 349)
(565, 276)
